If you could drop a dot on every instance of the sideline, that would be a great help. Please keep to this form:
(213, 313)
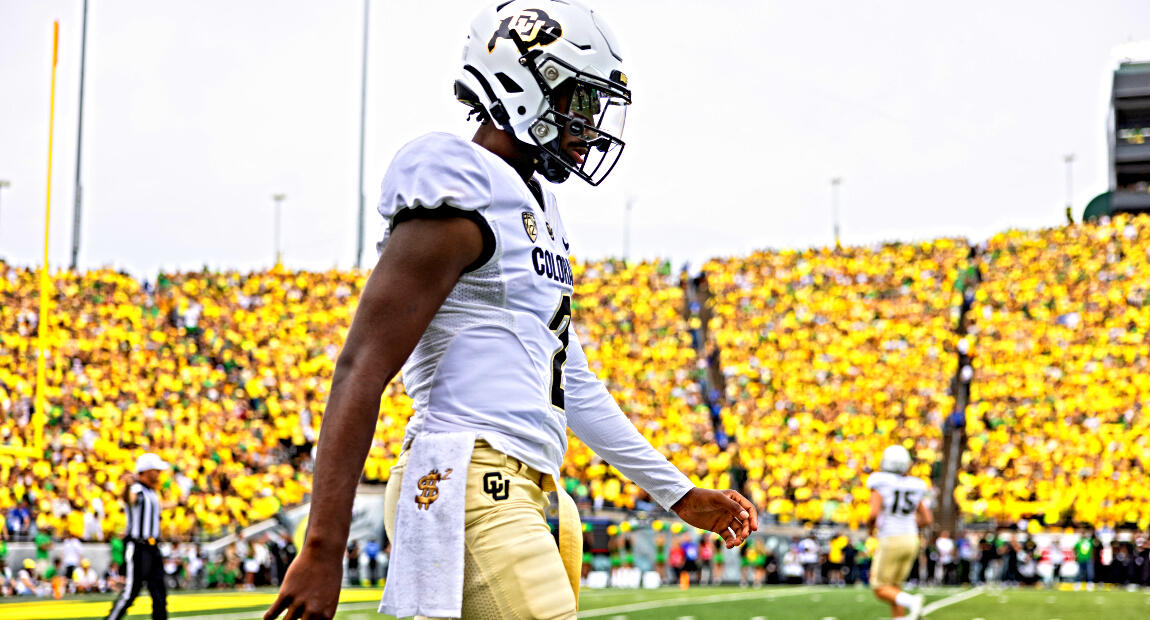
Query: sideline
(951, 600)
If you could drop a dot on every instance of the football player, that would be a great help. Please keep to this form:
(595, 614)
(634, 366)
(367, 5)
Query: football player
(471, 296)
(897, 510)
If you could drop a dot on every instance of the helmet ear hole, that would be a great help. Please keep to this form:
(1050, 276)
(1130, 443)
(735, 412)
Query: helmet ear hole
(508, 84)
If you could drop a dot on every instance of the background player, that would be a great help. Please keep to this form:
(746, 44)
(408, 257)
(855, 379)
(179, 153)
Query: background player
(897, 511)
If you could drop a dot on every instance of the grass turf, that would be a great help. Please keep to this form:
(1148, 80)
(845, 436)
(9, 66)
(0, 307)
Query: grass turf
(719, 603)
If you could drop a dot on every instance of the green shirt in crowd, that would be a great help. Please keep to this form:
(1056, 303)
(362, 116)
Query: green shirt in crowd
(1084, 550)
(43, 542)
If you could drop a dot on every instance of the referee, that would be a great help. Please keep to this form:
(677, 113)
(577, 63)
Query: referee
(142, 561)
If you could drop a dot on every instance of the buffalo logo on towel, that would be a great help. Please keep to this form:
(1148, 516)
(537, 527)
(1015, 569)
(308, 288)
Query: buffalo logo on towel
(495, 486)
(535, 27)
(529, 225)
(429, 488)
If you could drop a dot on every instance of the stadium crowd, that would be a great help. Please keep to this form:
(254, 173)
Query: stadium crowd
(826, 356)
(1058, 426)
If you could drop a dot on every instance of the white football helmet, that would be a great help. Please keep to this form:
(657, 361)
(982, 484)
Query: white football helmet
(523, 56)
(895, 460)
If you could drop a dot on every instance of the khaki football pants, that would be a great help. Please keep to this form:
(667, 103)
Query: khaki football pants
(893, 560)
(512, 567)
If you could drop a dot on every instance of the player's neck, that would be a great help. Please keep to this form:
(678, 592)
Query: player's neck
(506, 147)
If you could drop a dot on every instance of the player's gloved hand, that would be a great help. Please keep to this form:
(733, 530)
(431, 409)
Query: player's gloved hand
(310, 589)
(726, 513)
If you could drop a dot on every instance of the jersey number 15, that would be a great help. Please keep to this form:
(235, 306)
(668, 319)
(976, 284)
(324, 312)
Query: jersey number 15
(907, 504)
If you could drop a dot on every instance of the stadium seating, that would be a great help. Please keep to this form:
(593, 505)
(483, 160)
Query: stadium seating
(1058, 425)
(828, 355)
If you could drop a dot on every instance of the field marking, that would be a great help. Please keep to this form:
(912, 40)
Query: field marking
(951, 600)
(248, 615)
(718, 598)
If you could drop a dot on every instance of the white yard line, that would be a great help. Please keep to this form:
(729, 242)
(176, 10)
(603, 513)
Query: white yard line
(717, 598)
(950, 600)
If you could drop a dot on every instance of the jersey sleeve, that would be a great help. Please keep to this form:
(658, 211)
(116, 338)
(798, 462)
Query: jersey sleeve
(437, 176)
(874, 481)
(598, 421)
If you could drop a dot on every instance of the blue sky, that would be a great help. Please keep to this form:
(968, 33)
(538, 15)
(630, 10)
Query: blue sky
(942, 119)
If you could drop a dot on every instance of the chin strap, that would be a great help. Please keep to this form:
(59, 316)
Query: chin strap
(546, 163)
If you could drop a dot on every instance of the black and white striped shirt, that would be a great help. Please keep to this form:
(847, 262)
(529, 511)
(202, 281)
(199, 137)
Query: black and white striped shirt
(144, 515)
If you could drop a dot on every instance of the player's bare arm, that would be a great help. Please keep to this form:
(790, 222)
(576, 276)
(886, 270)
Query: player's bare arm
(419, 267)
(923, 516)
(875, 511)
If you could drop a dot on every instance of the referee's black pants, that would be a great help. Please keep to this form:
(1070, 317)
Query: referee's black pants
(143, 564)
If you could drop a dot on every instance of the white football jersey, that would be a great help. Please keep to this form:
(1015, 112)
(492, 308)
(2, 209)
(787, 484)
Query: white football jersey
(500, 357)
(901, 496)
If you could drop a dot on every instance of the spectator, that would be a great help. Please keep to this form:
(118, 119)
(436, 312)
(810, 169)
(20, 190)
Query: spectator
(1057, 555)
(43, 542)
(19, 521)
(946, 558)
(6, 582)
(1084, 556)
(690, 557)
(352, 558)
(70, 552)
(707, 563)
(371, 550)
(809, 557)
(84, 578)
(27, 583)
(836, 559)
(114, 580)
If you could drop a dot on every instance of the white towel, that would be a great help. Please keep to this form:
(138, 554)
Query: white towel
(425, 571)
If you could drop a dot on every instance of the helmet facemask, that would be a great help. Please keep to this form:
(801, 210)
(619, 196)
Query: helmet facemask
(591, 110)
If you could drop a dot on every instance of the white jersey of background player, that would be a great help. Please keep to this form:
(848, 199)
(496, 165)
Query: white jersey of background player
(472, 298)
(901, 496)
(897, 510)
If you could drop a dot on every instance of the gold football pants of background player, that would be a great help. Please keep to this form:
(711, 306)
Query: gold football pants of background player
(893, 560)
(512, 567)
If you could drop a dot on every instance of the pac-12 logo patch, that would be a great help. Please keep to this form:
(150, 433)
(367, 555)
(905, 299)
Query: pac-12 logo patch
(534, 26)
(529, 225)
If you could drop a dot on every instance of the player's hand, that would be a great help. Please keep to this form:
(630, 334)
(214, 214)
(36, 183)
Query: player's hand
(310, 590)
(726, 513)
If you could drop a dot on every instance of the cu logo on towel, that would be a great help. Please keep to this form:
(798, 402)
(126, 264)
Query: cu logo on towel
(495, 486)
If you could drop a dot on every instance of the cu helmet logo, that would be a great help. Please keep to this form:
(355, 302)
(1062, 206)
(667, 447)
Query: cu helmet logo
(534, 26)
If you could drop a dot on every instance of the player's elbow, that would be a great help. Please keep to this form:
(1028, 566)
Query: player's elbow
(357, 365)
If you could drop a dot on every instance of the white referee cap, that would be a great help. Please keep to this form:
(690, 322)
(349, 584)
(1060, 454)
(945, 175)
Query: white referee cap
(150, 460)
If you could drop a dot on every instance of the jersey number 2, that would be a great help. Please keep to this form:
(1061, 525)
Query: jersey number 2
(559, 324)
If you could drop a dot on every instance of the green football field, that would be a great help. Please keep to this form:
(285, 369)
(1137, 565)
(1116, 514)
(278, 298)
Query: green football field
(770, 603)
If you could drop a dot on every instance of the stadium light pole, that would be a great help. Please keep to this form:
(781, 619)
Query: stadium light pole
(278, 198)
(79, 141)
(1069, 159)
(3, 184)
(362, 137)
(627, 226)
(835, 183)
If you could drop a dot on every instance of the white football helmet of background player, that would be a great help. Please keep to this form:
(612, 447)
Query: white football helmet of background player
(523, 56)
(895, 460)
